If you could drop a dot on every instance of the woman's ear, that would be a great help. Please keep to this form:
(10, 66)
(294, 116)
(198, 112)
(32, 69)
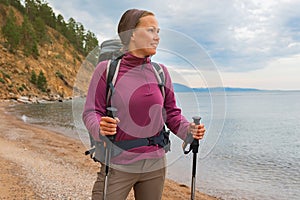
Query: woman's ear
(132, 36)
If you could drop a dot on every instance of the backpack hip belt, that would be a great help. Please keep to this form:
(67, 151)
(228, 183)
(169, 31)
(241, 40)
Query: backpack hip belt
(161, 140)
(98, 152)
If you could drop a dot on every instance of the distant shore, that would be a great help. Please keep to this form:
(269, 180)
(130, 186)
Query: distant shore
(42, 164)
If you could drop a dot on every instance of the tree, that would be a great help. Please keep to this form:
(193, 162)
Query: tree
(17, 4)
(47, 14)
(40, 29)
(90, 42)
(71, 34)
(5, 2)
(11, 32)
(37, 16)
(33, 78)
(80, 37)
(61, 25)
(29, 38)
(32, 10)
(41, 82)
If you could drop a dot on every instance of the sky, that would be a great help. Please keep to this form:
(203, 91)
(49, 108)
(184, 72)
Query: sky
(209, 43)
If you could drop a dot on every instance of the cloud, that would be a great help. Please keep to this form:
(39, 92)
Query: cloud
(262, 34)
(239, 36)
(281, 73)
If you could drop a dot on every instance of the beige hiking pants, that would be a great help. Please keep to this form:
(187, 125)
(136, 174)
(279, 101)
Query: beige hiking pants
(146, 177)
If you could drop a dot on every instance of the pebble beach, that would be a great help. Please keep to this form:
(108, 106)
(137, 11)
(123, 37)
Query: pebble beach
(37, 163)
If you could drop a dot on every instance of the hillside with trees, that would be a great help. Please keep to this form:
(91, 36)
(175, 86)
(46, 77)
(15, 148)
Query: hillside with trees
(40, 52)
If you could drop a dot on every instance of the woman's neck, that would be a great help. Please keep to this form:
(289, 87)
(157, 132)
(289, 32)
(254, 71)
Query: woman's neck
(137, 53)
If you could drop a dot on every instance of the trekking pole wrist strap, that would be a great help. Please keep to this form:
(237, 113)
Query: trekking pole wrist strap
(188, 141)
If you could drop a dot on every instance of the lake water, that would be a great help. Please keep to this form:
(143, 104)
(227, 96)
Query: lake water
(251, 149)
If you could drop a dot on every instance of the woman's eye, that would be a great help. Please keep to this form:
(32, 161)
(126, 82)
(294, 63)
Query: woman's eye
(153, 30)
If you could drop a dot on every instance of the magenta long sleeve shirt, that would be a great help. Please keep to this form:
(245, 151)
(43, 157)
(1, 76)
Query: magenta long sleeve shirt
(142, 110)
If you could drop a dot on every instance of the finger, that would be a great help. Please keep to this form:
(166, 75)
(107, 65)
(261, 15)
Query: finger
(198, 137)
(104, 131)
(117, 119)
(201, 128)
(199, 132)
(109, 120)
(192, 125)
(107, 124)
(202, 131)
(201, 125)
(108, 129)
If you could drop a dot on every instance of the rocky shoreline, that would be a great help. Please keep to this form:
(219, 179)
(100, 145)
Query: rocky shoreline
(35, 99)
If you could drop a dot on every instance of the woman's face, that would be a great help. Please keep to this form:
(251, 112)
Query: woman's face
(145, 38)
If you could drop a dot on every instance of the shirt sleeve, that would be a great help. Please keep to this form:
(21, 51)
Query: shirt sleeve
(175, 121)
(95, 104)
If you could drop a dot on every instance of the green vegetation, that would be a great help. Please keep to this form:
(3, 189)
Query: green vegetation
(33, 78)
(29, 38)
(2, 80)
(24, 86)
(40, 81)
(5, 75)
(11, 32)
(33, 31)
(20, 89)
(59, 75)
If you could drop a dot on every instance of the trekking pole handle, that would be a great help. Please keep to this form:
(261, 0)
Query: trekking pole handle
(197, 120)
(195, 143)
(190, 139)
(111, 112)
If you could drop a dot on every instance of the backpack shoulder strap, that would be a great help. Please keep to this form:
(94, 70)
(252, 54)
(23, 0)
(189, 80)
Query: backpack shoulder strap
(112, 70)
(160, 76)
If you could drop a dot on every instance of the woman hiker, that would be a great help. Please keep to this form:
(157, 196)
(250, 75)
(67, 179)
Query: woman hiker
(142, 112)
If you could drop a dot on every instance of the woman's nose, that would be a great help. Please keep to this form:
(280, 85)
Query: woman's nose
(156, 37)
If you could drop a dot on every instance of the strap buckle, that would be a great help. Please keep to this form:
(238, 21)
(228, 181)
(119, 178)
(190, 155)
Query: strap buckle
(161, 140)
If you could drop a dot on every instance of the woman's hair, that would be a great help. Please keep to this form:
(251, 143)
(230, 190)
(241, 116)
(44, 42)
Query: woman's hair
(128, 22)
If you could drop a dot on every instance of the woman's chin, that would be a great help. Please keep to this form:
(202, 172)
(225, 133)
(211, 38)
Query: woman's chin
(151, 51)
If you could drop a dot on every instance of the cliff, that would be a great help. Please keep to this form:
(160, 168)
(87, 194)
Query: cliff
(58, 60)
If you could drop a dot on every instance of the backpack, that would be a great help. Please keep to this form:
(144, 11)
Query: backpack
(111, 50)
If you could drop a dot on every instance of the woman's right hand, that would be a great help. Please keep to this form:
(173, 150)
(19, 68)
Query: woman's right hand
(108, 126)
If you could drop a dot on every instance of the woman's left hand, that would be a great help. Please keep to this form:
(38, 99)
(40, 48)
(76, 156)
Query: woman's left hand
(197, 131)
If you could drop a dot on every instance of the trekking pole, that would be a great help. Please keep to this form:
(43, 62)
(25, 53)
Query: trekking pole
(111, 112)
(194, 146)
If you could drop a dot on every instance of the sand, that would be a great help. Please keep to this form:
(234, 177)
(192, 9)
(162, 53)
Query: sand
(36, 163)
